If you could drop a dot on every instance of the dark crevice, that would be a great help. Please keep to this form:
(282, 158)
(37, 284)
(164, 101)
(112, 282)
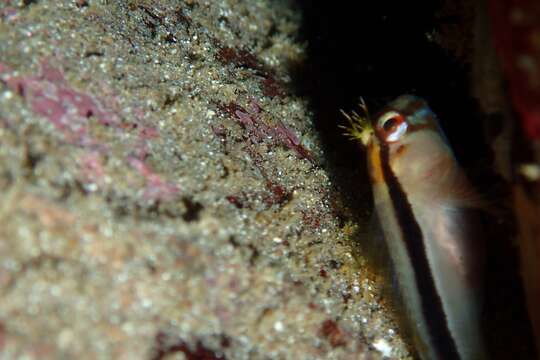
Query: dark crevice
(166, 346)
(193, 209)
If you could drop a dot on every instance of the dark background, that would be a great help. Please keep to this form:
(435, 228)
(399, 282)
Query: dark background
(380, 51)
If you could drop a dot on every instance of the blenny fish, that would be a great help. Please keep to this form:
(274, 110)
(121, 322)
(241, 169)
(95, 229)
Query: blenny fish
(426, 208)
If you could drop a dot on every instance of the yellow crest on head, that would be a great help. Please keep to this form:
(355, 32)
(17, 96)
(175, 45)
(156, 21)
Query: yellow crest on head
(359, 128)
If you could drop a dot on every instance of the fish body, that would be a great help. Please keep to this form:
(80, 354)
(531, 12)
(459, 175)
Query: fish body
(427, 211)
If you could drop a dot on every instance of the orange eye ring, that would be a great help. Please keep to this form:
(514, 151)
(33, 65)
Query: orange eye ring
(391, 126)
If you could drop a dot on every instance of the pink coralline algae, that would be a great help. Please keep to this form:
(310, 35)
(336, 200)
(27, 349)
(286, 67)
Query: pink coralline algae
(257, 130)
(71, 111)
(241, 58)
(156, 188)
(92, 167)
(516, 31)
(50, 96)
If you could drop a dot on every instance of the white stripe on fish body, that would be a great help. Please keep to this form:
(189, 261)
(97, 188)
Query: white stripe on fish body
(452, 262)
(421, 197)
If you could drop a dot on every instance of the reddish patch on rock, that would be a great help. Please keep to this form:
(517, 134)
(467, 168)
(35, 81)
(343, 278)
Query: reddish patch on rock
(156, 188)
(71, 111)
(230, 109)
(92, 167)
(242, 58)
(50, 96)
(257, 130)
(148, 133)
(335, 335)
(271, 87)
(290, 140)
(236, 201)
(516, 31)
(311, 219)
(81, 3)
(239, 58)
(278, 194)
(219, 131)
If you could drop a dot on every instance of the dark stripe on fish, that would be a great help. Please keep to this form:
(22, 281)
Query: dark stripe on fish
(430, 301)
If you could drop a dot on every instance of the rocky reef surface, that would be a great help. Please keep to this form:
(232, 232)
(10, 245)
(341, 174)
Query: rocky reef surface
(164, 191)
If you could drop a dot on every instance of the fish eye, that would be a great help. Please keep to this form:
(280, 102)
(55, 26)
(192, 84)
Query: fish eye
(392, 126)
(390, 123)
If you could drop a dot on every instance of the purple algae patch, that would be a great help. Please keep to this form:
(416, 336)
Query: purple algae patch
(70, 111)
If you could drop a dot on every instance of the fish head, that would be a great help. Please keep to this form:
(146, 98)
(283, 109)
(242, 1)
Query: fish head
(418, 151)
